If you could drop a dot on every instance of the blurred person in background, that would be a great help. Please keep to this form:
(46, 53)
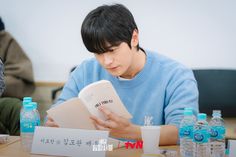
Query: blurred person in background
(9, 110)
(19, 79)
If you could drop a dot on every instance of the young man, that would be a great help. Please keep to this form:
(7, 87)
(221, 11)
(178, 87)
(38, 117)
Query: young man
(149, 84)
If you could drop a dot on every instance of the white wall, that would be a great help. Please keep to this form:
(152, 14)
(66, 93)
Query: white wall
(198, 33)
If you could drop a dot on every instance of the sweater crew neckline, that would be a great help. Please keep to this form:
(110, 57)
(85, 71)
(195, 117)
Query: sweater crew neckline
(138, 79)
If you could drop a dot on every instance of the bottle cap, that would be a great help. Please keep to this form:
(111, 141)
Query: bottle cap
(188, 112)
(188, 108)
(201, 116)
(34, 104)
(27, 98)
(216, 113)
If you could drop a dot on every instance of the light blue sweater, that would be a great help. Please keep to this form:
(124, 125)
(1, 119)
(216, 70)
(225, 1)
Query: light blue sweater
(161, 90)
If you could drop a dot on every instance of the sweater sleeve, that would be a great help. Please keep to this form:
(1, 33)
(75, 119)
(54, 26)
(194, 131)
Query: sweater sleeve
(182, 91)
(72, 87)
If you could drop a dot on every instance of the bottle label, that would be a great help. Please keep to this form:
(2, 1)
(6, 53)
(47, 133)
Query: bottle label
(217, 132)
(186, 132)
(27, 127)
(201, 136)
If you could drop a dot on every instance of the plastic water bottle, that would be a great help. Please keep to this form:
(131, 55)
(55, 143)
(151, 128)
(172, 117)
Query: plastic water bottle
(186, 133)
(26, 100)
(217, 133)
(35, 106)
(201, 137)
(27, 126)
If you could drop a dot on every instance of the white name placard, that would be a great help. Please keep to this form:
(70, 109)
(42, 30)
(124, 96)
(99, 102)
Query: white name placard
(67, 142)
(232, 147)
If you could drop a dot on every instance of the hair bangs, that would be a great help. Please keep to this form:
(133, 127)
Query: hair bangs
(101, 41)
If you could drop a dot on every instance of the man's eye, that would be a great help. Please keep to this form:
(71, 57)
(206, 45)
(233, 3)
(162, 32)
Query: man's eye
(113, 50)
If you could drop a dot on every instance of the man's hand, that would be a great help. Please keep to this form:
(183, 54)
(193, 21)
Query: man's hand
(118, 126)
(50, 122)
(121, 127)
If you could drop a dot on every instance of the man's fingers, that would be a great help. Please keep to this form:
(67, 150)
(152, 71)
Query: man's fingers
(105, 124)
(50, 122)
(111, 124)
(97, 126)
(50, 119)
(98, 121)
(109, 114)
(114, 117)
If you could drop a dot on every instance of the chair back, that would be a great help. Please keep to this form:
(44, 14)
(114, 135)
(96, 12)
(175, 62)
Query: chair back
(217, 90)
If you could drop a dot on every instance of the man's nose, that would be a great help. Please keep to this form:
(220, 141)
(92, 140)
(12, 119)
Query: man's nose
(107, 59)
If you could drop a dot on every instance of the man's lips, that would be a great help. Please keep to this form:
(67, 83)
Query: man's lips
(112, 68)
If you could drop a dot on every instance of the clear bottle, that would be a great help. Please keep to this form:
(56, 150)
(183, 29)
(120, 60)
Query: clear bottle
(26, 100)
(186, 133)
(201, 137)
(27, 126)
(217, 134)
(35, 109)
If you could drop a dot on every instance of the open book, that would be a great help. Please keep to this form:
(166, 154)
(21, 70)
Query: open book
(75, 113)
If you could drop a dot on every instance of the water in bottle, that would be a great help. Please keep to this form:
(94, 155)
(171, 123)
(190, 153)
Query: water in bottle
(217, 134)
(201, 137)
(35, 109)
(27, 126)
(186, 133)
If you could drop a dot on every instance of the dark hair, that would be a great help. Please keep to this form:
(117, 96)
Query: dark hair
(107, 26)
(2, 27)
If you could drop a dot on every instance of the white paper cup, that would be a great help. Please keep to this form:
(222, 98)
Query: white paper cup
(150, 137)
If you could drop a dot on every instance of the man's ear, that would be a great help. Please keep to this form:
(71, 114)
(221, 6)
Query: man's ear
(135, 38)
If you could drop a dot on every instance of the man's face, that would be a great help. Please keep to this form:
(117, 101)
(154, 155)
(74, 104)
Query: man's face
(118, 61)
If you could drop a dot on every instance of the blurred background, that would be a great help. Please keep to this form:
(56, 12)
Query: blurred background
(197, 33)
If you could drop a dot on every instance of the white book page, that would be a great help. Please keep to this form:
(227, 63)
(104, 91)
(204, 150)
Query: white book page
(71, 114)
(102, 93)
